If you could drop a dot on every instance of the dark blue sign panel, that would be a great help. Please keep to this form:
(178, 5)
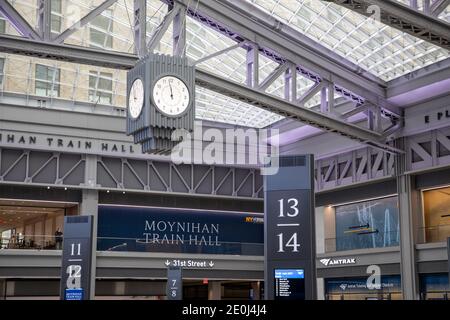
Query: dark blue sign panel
(148, 229)
(76, 258)
(174, 289)
(289, 284)
(289, 229)
(74, 294)
(359, 285)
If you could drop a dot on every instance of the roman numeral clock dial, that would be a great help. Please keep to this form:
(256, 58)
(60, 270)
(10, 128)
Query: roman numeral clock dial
(171, 96)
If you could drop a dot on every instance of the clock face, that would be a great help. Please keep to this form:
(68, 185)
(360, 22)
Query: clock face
(136, 98)
(171, 96)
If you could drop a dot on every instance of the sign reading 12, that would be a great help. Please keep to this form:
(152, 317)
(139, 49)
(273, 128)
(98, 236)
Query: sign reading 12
(292, 211)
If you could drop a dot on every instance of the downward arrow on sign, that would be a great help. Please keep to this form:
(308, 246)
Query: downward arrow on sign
(167, 263)
(211, 264)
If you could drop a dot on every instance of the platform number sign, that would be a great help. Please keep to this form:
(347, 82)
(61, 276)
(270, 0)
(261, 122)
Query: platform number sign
(289, 225)
(288, 242)
(74, 270)
(76, 264)
(174, 290)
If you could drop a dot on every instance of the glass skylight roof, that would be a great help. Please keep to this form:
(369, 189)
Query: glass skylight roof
(383, 51)
(377, 48)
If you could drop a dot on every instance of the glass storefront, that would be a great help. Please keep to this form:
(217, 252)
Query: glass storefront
(369, 224)
(434, 286)
(357, 289)
(436, 207)
(33, 224)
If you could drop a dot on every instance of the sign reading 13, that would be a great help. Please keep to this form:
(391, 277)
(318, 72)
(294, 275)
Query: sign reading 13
(292, 238)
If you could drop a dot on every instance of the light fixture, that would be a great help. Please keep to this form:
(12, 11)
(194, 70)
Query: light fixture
(65, 189)
(107, 191)
(48, 188)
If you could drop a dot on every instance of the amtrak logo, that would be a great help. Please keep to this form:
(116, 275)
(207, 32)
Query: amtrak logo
(337, 262)
(325, 262)
(343, 286)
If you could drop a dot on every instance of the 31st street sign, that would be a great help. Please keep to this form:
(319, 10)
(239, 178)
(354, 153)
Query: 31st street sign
(188, 263)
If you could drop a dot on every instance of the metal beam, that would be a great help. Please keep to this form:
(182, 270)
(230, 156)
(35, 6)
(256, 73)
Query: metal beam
(291, 110)
(405, 19)
(308, 95)
(276, 73)
(67, 53)
(17, 21)
(438, 7)
(240, 92)
(162, 28)
(424, 77)
(217, 53)
(45, 19)
(355, 111)
(140, 27)
(179, 34)
(241, 21)
(94, 13)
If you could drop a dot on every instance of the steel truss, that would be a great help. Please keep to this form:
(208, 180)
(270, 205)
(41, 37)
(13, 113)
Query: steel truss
(71, 170)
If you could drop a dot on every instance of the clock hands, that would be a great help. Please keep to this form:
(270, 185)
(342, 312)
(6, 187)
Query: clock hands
(171, 92)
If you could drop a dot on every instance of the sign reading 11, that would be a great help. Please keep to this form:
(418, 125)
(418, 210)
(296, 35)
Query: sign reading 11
(291, 211)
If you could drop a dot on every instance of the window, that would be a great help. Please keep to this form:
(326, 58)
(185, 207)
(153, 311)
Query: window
(2, 25)
(56, 22)
(436, 206)
(100, 87)
(101, 30)
(369, 224)
(2, 71)
(47, 81)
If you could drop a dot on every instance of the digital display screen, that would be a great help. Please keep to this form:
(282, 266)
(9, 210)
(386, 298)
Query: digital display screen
(73, 294)
(289, 284)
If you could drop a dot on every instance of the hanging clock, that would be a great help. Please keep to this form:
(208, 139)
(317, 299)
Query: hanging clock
(161, 99)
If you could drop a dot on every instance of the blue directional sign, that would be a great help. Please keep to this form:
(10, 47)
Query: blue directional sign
(73, 294)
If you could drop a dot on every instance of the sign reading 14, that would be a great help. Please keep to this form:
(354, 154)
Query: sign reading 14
(291, 244)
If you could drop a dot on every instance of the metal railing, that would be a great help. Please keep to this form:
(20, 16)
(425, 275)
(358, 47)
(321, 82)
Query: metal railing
(31, 242)
(194, 247)
(355, 241)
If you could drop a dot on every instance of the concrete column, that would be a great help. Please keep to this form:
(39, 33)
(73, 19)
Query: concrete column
(214, 290)
(320, 229)
(407, 243)
(89, 206)
(320, 289)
